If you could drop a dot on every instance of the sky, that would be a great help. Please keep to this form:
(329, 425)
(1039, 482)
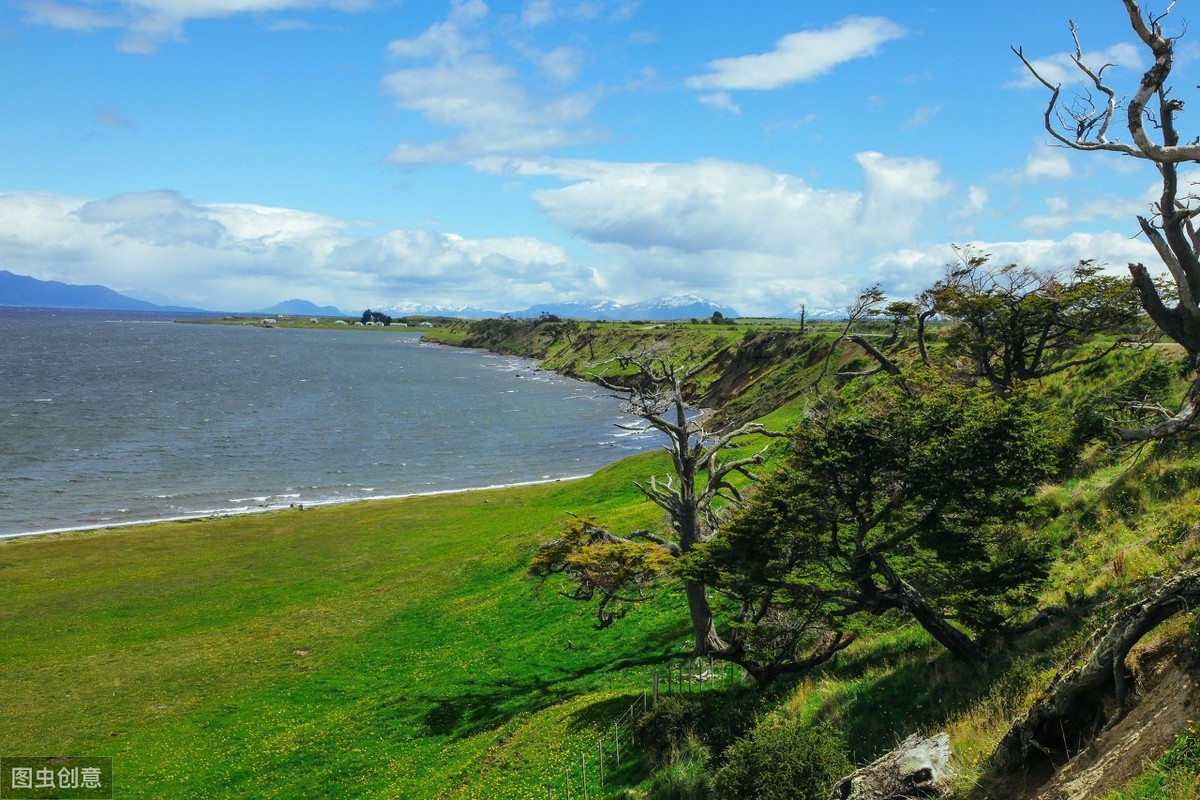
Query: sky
(393, 154)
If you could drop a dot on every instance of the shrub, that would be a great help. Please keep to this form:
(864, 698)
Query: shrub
(713, 719)
(782, 760)
(686, 777)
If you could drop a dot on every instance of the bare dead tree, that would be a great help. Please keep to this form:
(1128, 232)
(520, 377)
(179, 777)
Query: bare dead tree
(1150, 118)
(655, 394)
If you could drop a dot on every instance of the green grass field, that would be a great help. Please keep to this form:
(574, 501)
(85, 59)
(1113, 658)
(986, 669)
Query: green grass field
(377, 649)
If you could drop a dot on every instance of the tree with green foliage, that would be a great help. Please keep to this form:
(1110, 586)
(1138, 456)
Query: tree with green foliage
(618, 571)
(1149, 116)
(901, 501)
(1011, 323)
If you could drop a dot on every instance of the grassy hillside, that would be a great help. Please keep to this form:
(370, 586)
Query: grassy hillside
(396, 648)
(745, 369)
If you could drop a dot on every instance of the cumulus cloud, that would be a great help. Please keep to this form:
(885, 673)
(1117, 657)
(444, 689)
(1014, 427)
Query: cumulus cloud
(151, 23)
(897, 193)
(465, 88)
(237, 256)
(734, 230)
(801, 56)
(159, 219)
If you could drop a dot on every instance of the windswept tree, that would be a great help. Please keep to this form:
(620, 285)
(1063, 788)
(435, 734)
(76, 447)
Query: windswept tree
(1011, 323)
(1087, 119)
(617, 571)
(903, 501)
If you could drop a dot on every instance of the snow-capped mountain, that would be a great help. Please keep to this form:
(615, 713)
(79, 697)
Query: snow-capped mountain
(664, 308)
(677, 307)
(812, 312)
(407, 308)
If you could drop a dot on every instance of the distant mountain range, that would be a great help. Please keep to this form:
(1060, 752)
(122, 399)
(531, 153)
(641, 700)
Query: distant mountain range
(300, 308)
(27, 292)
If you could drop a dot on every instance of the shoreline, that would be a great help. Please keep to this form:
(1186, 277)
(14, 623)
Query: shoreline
(203, 515)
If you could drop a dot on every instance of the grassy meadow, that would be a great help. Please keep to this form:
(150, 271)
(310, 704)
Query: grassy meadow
(376, 649)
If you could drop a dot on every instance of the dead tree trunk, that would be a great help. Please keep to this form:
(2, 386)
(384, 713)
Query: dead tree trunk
(918, 767)
(1087, 700)
(1150, 111)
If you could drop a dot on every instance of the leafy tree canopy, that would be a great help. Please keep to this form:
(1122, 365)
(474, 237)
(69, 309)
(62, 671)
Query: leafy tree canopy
(903, 500)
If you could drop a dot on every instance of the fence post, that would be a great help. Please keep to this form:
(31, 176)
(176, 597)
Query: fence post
(656, 688)
(583, 773)
(567, 780)
(600, 750)
(617, 739)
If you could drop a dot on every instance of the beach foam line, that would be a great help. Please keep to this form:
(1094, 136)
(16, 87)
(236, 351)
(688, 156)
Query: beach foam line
(241, 512)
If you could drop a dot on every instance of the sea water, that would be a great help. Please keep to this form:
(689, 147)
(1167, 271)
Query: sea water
(118, 417)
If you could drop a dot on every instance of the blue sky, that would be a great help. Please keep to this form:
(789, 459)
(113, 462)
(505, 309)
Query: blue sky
(230, 154)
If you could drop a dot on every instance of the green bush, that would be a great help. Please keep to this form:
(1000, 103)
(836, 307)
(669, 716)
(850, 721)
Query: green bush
(686, 776)
(714, 719)
(782, 760)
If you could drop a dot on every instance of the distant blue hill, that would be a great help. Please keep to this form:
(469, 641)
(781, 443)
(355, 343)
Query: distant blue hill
(26, 292)
(301, 308)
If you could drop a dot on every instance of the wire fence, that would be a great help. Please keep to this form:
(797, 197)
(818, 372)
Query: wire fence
(586, 777)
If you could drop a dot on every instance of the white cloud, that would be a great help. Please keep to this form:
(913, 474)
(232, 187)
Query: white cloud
(466, 89)
(1061, 213)
(906, 271)
(977, 198)
(897, 193)
(1046, 163)
(800, 57)
(151, 23)
(240, 256)
(757, 238)
(68, 17)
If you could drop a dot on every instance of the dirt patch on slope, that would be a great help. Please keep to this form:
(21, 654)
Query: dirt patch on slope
(1168, 699)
